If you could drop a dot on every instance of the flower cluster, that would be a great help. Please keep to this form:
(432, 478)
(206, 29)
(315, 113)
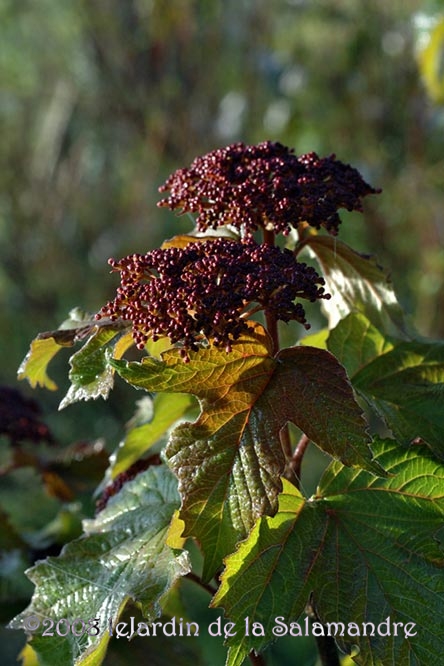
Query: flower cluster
(207, 290)
(265, 186)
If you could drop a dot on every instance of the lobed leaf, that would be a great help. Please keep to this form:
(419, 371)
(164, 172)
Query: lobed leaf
(121, 557)
(313, 392)
(230, 460)
(364, 549)
(356, 342)
(402, 381)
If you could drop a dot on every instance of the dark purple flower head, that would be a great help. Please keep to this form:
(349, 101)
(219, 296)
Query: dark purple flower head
(207, 290)
(265, 186)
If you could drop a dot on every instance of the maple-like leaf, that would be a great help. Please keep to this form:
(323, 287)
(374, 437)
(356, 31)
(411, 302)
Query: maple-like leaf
(364, 549)
(230, 460)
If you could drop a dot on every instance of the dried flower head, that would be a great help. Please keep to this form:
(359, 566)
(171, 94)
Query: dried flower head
(265, 186)
(207, 290)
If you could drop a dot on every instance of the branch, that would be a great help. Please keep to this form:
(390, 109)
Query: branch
(270, 319)
(196, 579)
(328, 652)
(293, 470)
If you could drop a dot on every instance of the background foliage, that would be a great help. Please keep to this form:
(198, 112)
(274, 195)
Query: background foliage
(101, 100)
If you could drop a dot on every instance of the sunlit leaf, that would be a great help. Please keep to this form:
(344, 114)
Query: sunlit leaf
(356, 342)
(317, 339)
(34, 365)
(79, 326)
(402, 381)
(229, 461)
(174, 537)
(185, 239)
(91, 374)
(365, 548)
(121, 557)
(28, 657)
(357, 284)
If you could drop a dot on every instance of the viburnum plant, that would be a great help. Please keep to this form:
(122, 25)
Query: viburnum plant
(362, 557)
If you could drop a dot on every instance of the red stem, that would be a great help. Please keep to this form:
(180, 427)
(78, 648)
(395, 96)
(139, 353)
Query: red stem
(294, 461)
(295, 464)
(270, 319)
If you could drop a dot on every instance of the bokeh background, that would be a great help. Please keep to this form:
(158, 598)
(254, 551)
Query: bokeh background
(101, 99)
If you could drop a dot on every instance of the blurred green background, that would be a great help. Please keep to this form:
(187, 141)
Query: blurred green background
(101, 99)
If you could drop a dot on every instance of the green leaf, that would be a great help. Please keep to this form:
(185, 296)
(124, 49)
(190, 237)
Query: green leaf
(317, 339)
(364, 549)
(229, 461)
(91, 374)
(15, 588)
(34, 365)
(356, 342)
(357, 284)
(77, 327)
(168, 409)
(402, 381)
(121, 557)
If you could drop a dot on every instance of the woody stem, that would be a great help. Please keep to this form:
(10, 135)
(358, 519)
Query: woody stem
(272, 328)
(270, 319)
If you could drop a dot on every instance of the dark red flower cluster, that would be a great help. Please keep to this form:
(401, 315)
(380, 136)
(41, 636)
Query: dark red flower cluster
(207, 290)
(265, 186)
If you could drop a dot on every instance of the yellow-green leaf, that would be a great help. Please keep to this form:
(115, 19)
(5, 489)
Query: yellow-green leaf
(35, 364)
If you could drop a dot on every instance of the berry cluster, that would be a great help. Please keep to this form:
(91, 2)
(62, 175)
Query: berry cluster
(207, 290)
(265, 186)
